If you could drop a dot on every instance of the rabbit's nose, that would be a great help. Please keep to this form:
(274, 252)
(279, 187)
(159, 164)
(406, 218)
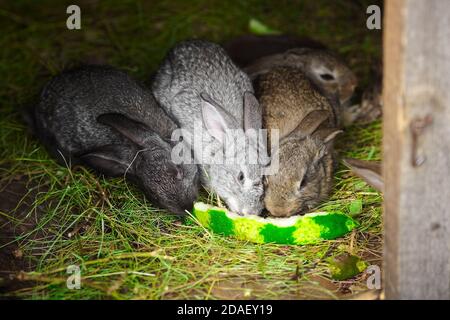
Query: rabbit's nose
(247, 212)
(181, 209)
(279, 210)
(250, 211)
(276, 212)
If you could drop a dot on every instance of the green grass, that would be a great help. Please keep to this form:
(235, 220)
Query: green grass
(126, 248)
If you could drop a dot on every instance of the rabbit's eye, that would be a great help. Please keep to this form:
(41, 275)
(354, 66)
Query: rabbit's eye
(240, 177)
(327, 76)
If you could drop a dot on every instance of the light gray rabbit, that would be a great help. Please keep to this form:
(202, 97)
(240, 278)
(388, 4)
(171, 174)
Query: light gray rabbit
(307, 123)
(198, 84)
(323, 67)
(101, 117)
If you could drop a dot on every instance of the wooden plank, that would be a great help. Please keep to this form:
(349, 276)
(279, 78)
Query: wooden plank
(417, 198)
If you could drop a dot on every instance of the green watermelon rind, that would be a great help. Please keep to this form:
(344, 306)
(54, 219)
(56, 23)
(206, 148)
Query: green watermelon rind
(297, 230)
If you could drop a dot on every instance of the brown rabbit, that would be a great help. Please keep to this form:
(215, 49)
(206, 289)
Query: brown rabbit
(288, 96)
(322, 67)
(307, 123)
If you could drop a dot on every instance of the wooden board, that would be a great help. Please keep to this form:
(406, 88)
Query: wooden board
(417, 197)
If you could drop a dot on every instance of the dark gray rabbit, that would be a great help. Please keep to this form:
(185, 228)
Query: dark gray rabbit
(101, 117)
(202, 89)
(306, 121)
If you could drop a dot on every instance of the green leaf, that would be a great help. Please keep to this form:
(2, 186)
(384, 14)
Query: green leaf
(257, 27)
(345, 266)
(355, 207)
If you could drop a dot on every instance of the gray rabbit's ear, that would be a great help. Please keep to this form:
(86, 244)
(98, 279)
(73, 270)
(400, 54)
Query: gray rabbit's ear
(369, 171)
(311, 122)
(135, 131)
(252, 112)
(215, 118)
(112, 160)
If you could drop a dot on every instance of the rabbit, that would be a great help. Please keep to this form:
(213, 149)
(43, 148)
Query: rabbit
(247, 48)
(307, 127)
(323, 68)
(371, 105)
(286, 96)
(203, 89)
(100, 117)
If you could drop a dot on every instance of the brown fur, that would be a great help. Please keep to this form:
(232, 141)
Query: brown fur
(314, 63)
(286, 97)
(305, 152)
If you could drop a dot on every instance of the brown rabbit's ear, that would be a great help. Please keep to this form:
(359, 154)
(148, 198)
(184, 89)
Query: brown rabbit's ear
(310, 123)
(327, 136)
(369, 171)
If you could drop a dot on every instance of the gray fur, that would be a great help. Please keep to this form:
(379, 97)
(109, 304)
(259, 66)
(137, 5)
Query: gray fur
(132, 136)
(198, 83)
